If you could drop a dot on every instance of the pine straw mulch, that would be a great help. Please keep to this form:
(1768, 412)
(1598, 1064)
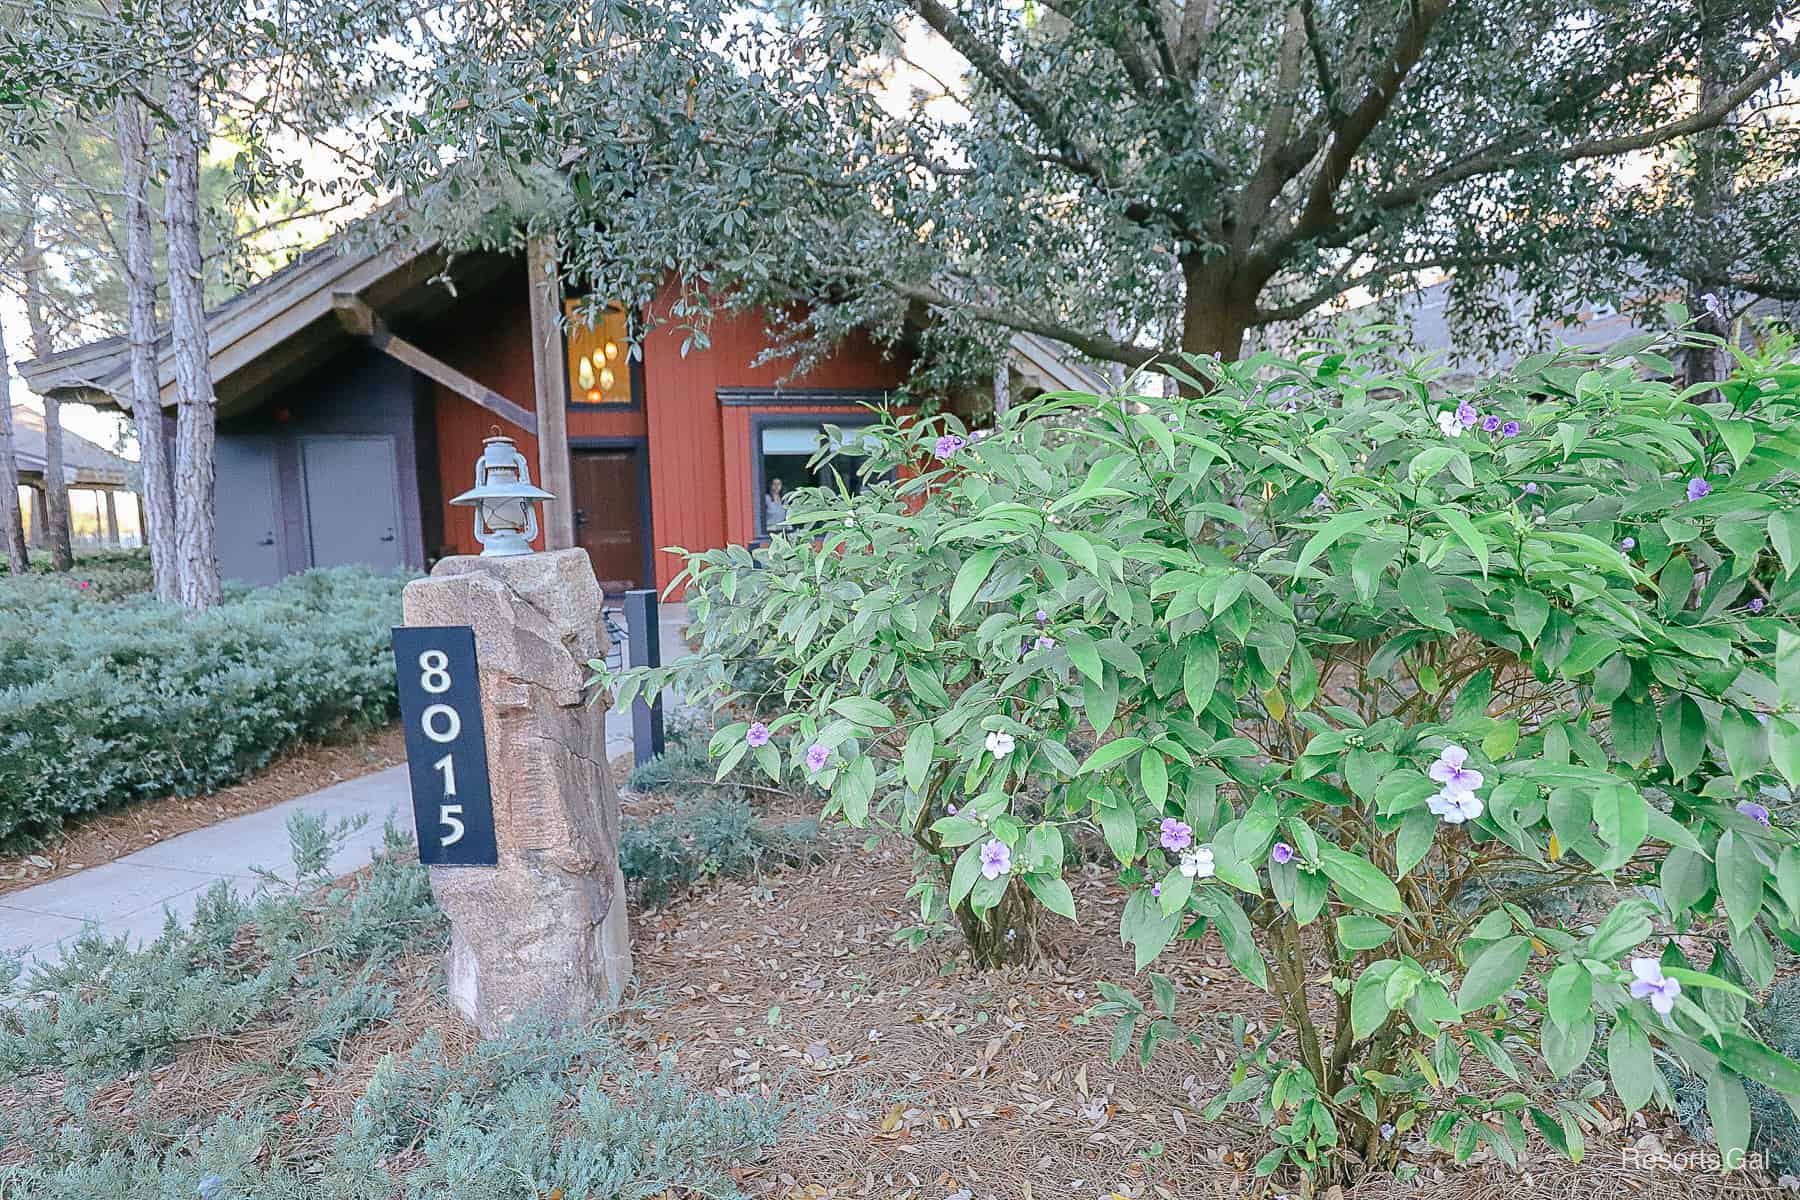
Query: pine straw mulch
(912, 1076)
(907, 1075)
(103, 837)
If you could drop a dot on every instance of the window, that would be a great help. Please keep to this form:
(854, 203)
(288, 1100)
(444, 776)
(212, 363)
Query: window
(600, 370)
(784, 452)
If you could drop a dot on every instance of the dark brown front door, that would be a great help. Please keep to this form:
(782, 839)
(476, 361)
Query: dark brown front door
(609, 514)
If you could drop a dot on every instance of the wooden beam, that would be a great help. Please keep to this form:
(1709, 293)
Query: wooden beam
(364, 322)
(549, 373)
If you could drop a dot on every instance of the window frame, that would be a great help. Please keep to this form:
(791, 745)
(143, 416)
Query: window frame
(803, 419)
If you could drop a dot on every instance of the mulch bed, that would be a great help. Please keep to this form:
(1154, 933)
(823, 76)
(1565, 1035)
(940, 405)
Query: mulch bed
(104, 837)
(911, 1076)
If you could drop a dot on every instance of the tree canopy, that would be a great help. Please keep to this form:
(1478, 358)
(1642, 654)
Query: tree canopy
(1131, 178)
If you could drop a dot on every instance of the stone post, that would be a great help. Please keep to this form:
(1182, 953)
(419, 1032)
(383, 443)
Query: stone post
(545, 930)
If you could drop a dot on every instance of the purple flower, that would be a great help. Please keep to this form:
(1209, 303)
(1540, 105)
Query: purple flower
(1176, 835)
(757, 734)
(951, 809)
(948, 445)
(1449, 770)
(1651, 985)
(816, 756)
(1698, 489)
(1281, 853)
(1756, 812)
(1454, 807)
(1531, 489)
(1628, 545)
(996, 859)
(1713, 305)
(1465, 412)
(1321, 501)
(1156, 890)
(1755, 605)
(1042, 616)
(1044, 643)
(1510, 429)
(1490, 424)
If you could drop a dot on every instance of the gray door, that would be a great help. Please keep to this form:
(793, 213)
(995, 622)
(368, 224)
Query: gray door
(246, 524)
(352, 501)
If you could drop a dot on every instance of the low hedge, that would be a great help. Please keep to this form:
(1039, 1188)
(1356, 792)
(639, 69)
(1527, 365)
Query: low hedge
(107, 702)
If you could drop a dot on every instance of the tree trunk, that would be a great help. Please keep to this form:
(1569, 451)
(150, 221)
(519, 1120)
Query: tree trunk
(1007, 934)
(157, 496)
(1713, 192)
(10, 515)
(56, 487)
(1215, 314)
(197, 564)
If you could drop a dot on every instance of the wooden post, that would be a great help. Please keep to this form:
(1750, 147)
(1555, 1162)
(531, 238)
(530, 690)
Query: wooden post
(112, 517)
(549, 372)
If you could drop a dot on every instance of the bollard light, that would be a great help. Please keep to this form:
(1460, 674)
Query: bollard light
(503, 499)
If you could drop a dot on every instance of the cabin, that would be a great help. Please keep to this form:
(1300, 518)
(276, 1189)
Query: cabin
(355, 386)
(103, 509)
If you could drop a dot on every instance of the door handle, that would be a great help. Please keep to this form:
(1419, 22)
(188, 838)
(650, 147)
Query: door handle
(581, 516)
(388, 536)
(266, 540)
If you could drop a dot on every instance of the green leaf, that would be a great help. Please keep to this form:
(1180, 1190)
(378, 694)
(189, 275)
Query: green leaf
(1369, 1005)
(1330, 532)
(1566, 1047)
(1740, 877)
(1728, 1107)
(1052, 893)
(1571, 994)
(1494, 970)
(1200, 671)
(1683, 735)
(1784, 535)
(1424, 598)
(1369, 562)
(1418, 829)
(1362, 933)
(1531, 611)
(915, 760)
(1784, 748)
(964, 874)
(1153, 772)
(1633, 728)
(1118, 823)
(1358, 881)
(1753, 1060)
(1235, 934)
(969, 578)
(864, 711)
(1471, 537)
(1629, 1063)
(1110, 753)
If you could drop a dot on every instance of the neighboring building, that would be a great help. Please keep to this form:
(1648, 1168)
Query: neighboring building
(103, 510)
(355, 388)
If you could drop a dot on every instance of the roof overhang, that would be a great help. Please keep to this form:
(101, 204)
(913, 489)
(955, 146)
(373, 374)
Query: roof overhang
(280, 327)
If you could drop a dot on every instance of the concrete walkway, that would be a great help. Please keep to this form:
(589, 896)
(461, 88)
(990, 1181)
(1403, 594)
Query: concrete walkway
(132, 895)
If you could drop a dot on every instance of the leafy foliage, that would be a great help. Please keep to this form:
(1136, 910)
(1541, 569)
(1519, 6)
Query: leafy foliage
(105, 703)
(304, 970)
(1129, 179)
(719, 835)
(1322, 654)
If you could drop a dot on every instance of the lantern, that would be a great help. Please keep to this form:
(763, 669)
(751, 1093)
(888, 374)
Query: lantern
(503, 496)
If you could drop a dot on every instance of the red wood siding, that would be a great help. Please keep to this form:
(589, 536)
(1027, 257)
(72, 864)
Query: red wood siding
(488, 337)
(700, 472)
(701, 479)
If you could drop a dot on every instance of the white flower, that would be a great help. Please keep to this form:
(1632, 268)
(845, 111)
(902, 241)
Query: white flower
(1455, 806)
(1000, 744)
(1448, 424)
(1197, 863)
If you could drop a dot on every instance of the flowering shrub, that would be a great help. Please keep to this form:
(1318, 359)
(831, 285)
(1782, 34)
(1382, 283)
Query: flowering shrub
(1353, 677)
